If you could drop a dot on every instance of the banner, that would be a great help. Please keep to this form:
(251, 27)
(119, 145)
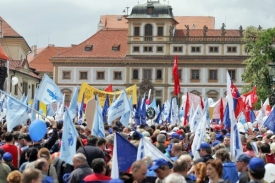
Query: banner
(90, 92)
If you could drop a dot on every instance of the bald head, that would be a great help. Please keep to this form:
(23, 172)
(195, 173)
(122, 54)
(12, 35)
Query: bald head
(78, 160)
(138, 164)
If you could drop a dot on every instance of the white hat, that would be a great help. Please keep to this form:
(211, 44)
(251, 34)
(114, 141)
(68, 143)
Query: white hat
(175, 129)
(272, 137)
(242, 131)
(269, 132)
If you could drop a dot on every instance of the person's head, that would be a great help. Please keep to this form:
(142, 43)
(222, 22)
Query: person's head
(126, 130)
(161, 138)
(187, 158)
(180, 166)
(91, 139)
(242, 162)
(31, 175)
(101, 143)
(176, 149)
(256, 169)
(265, 148)
(87, 131)
(174, 178)
(110, 141)
(200, 171)
(223, 155)
(31, 154)
(226, 141)
(99, 166)
(42, 165)
(214, 169)
(78, 160)
(45, 153)
(14, 177)
(9, 137)
(147, 160)
(205, 149)
(7, 157)
(139, 170)
(161, 167)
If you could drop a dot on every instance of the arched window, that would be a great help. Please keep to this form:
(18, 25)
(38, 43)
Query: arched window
(159, 103)
(159, 74)
(148, 30)
(135, 74)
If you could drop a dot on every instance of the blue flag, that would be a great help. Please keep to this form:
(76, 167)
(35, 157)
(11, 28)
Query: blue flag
(69, 138)
(226, 119)
(105, 108)
(143, 112)
(252, 116)
(48, 91)
(98, 125)
(119, 107)
(126, 153)
(81, 108)
(138, 112)
(126, 117)
(270, 121)
(22, 98)
(16, 113)
(170, 112)
(73, 105)
(159, 117)
(50, 111)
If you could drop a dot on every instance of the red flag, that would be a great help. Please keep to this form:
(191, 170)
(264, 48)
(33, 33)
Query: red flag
(3, 55)
(221, 114)
(176, 76)
(250, 97)
(109, 88)
(186, 110)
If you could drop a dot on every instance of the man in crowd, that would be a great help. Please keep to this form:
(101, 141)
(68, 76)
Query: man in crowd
(139, 170)
(81, 169)
(162, 169)
(176, 151)
(43, 165)
(256, 170)
(99, 169)
(241, 165)
(181, 167)
(205, 152)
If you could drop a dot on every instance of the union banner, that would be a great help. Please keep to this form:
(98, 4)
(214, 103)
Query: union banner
(90, 92)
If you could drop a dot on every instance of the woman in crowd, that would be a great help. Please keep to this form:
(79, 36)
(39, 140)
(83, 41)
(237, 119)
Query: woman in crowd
(214, 171)
(200, 172)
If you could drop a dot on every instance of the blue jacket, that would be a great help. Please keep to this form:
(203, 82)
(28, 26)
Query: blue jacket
(230, 172)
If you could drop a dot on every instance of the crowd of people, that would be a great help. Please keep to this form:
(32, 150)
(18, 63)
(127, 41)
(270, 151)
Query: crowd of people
(25, 161)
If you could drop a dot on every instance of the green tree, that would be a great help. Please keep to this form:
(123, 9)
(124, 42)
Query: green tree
(260, 46)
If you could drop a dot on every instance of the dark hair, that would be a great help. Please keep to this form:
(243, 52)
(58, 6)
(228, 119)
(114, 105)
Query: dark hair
(27, 137)
(265, 148)
(180, 165)
(98, 165)
(269, 136)
(223, 154)
(40, 165)
(91, 139)
(258, 174)
(59, 126)
(32, 153)
(16, 135)
(249, 146)
(30, 174)
(101, 141)
(8, 137)
(217, 164)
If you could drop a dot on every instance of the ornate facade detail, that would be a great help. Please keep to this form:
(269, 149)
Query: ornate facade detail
(223, 29)
(260, 28)
(205, 30)
(241, 30)
(145, 86)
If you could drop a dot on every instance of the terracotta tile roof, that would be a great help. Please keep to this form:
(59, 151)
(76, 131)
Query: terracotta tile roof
(114, 21)
(199, 22)
(8, 31)
(211, 32)
(101, 45)
(31, 56)
(18, 64)
(41, 62)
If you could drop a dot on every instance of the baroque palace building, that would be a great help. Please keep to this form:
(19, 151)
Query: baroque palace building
(140, 49)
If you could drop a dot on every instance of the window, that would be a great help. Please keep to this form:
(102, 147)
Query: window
(212, 74)
(136, 48)
(158, 93)
(116, 47)
(147, 49)
(117, 75)
(136, 31)
(160, 31)
(148, 30)
(195, 74)
(232, 74)
(88, 48)
(150, 10)
(33, 91)
(177, 48)
(195, 49)
(213, 49)
(25, 88)
(159, 49)
(231, 49)
(159, 74)
(83, 75)
(66, 74)
(135, 74)
(147, 74)
(16, 89)
(100, 75)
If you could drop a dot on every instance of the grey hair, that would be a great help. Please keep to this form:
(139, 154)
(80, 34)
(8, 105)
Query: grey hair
(110, 138)
(161, 138)
(147, 160)
(80, 157)
(175, 178)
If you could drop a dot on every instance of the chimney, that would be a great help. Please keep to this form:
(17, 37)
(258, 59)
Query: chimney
(34, 49)
(100, 26)
(51, 45)
(73, 45)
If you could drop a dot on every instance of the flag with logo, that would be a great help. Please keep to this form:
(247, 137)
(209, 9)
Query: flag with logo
(98, 126)
(270, 121)
(126, 117)
(69, 139)
(196, 119)
(48, 91)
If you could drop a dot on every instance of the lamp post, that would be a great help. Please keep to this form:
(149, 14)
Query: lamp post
(272, 83)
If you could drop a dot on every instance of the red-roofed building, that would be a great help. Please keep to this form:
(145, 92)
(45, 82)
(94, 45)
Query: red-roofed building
(140, 48)
(17, 49)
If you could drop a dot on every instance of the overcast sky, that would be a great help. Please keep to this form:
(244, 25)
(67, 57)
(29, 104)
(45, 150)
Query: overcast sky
(66, 22)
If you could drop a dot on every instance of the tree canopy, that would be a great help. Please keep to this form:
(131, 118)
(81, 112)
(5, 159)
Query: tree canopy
(260, 46)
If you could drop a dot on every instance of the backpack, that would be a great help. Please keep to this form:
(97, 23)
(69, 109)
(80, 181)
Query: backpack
(61, 168)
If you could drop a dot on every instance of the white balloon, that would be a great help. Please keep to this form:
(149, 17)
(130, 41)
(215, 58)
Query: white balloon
(14, 80)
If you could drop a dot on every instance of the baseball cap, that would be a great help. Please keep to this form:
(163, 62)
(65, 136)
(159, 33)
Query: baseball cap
(175, 135)
(216, 142)
(217, 127)
(180, 132)
(255, 163)
(175, 129)
(244, 158)
(159, 162)
(204, 145)
(7, 157)
(219, 137)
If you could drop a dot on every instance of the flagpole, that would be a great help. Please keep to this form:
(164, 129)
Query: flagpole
(24, 104)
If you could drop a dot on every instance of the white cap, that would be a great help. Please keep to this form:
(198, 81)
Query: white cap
(175, 129)
(269, 132)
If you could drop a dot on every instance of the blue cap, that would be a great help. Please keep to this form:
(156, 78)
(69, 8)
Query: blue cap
(255, 163)
(204, 145)
(159, 162)
(7, 157)
(228, 135)
(216, 142)
(169, 147)
(244, 158)
(219, 137)
(174, 135)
